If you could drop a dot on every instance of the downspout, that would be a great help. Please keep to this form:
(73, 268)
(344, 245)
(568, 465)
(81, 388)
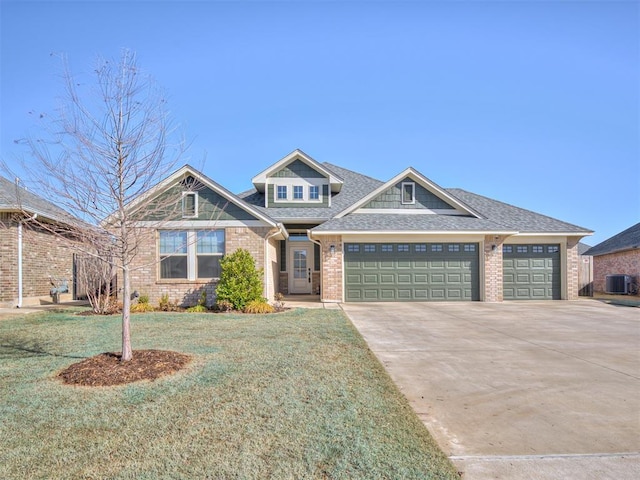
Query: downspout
(35, 215)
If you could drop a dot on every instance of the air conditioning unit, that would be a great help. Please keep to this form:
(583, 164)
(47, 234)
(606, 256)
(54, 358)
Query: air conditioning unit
(618, 284)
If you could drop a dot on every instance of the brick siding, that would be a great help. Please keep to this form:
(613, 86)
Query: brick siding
(45, 257)
(493, 268)
(621, 263)
(331, 290)
(145, 273)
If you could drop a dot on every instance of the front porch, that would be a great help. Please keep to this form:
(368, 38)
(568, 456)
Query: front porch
(308, 301)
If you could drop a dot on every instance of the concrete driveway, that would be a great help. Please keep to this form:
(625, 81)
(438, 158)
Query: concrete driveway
(518, 390)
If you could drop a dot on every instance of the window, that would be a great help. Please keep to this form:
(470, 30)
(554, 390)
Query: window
(353, 247)
(173, 254)
(408, 193)
(281, 192)
(553, 248)
(191, 254)
(436, 247)
(537, 249)
(403, 248)
(369, 248)
(298, 192)
(386, 248)
(453, 247)
(420, 248)
(507, 249)
(314, 192)
(522, 249)
(469, 247)
(209, 251)
(189, 205)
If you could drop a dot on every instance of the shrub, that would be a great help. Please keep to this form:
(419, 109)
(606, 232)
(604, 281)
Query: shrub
(197, 309)
(143, 299)
(142, 307)
(240, 281)
(167, 306)
(224, 306)
(258, 306)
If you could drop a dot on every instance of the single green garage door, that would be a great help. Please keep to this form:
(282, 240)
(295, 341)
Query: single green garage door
(531, 272)
(398, 272)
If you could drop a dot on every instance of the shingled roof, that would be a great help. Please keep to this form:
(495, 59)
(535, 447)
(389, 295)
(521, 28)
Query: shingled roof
(14, 198)
(626, 240)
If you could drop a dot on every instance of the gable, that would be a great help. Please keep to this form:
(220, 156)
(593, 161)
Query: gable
(188, 195)
(297, 169)
(392, 198)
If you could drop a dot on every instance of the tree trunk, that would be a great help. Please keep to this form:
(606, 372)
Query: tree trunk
(127, 353)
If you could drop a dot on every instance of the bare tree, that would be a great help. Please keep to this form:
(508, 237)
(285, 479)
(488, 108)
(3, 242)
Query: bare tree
(111, 145)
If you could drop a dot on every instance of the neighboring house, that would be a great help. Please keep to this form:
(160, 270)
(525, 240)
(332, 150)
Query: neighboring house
(34, 259)
(317, 228)
(618, 255)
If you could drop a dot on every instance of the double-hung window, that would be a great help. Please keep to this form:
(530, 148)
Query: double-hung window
(191, 254)
(173, 254)
(298, 192)
(314, 192)
(281, 192)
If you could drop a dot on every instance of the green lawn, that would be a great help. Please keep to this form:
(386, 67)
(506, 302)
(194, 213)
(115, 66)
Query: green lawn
(288, 396)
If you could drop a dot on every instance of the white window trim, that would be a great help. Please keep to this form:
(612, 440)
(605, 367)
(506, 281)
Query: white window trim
(192, 257)
(195, 203)
(298, 182)
(413, 193)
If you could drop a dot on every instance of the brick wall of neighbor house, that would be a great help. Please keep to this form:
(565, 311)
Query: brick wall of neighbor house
(45, 258)
(573, 268)
(493, 283)
(331, 269)
(9, 263)
(145, 276)
(621, 263)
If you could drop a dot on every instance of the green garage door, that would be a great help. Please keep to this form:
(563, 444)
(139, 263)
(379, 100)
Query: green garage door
(531, 272)
(398, 272)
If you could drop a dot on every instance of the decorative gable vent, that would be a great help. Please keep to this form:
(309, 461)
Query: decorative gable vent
(618, 284)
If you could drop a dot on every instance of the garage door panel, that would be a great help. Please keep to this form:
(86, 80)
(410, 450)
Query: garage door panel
(531, 273)
(370, 279)
(438, 273)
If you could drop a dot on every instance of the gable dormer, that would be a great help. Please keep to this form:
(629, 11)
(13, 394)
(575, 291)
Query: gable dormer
(297, 181)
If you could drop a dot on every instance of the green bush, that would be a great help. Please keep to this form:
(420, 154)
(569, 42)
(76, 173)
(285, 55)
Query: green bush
(240, 281)
(258, 306)
(165, 305)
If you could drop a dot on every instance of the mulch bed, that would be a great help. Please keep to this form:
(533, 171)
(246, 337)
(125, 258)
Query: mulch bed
(106, 369)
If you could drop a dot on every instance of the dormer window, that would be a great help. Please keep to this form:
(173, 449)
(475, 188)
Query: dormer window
(314, 192)
(189, 204)
(408, 193)
(298, 192)
(281, 192)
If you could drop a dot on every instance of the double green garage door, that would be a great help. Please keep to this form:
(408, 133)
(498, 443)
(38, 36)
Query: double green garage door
(445, 271)
(411, 271)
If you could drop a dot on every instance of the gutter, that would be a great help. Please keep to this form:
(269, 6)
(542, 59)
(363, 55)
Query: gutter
(35, 215)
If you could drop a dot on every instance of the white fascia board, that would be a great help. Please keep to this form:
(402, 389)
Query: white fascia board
(419, 178)
(409, 211)
(260, 180)
(413, 233)
(554, 234)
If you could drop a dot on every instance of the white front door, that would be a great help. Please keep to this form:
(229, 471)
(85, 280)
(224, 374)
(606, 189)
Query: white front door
(300, 272)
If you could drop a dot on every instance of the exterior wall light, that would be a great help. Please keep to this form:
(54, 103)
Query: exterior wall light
(332, 250)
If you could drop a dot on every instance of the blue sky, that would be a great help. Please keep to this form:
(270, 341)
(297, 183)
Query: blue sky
(534, 103)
